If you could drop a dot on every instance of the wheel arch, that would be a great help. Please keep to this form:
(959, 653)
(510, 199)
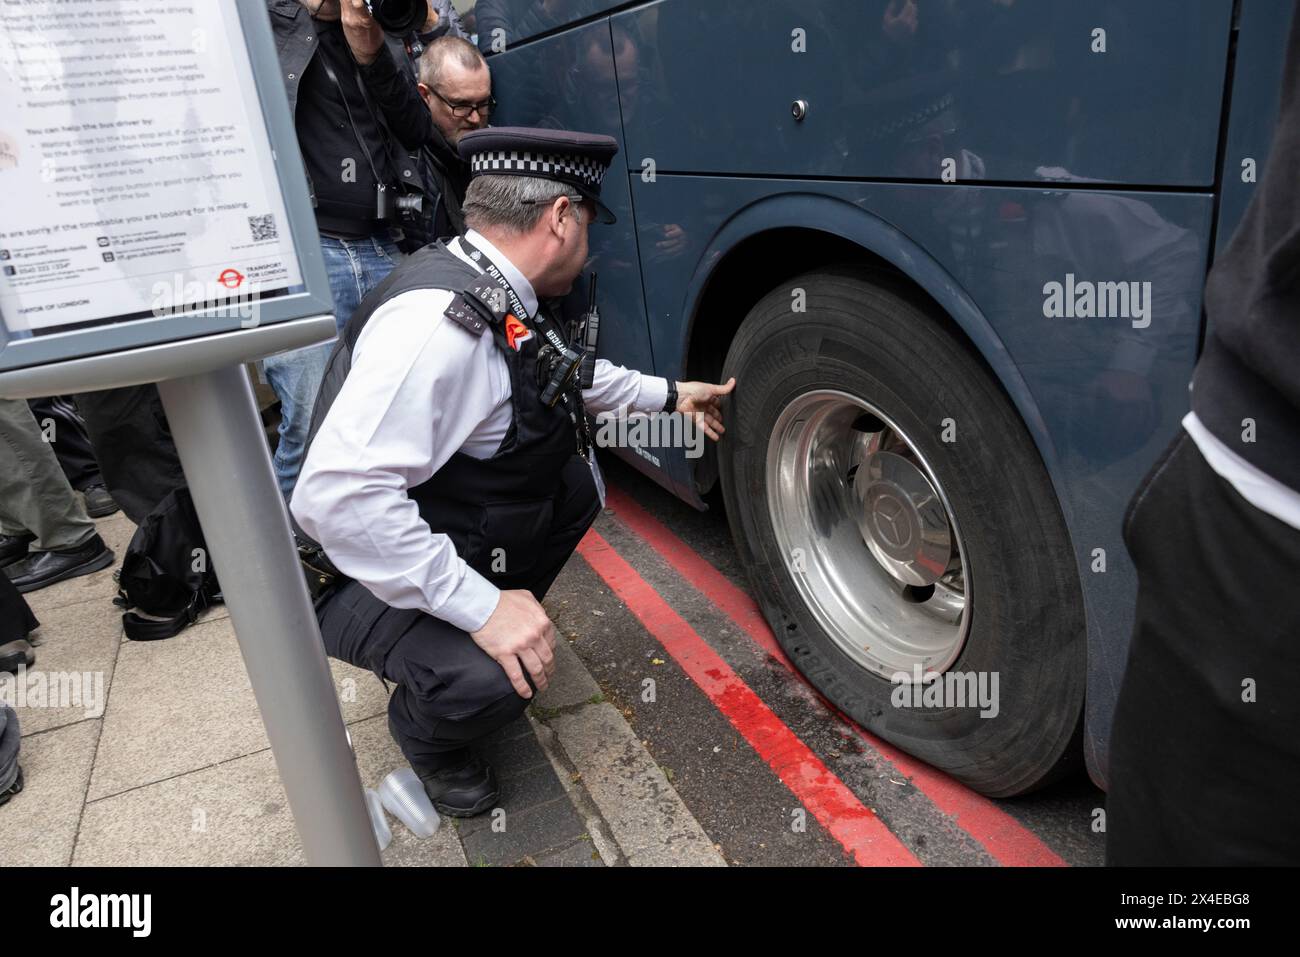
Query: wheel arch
(771, 237)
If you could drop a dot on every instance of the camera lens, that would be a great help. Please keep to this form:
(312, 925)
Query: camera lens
(398, 17)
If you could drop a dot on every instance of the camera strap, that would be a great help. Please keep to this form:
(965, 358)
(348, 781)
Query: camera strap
(356, 132)
(378, 119)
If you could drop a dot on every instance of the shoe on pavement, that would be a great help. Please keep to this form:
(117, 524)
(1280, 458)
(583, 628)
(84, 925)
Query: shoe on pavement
(98, 502)
(14, 547)
(13, 789)
(40, 569)
(15, 653)
(463, 787)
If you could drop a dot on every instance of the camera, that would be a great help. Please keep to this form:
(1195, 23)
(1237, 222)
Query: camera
(398, 17)
(394, 206)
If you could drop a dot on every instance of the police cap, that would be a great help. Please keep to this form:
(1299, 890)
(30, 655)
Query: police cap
(579, 160)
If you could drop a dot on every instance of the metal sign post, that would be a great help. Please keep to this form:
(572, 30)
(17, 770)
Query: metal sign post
(156, 227)
(219, 436)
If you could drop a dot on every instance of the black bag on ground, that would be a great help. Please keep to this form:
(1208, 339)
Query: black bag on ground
(166, 571)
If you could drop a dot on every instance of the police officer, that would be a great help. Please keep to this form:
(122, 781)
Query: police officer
(445, 492)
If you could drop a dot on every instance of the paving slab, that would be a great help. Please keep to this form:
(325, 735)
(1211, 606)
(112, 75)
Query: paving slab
(534, 816)
(570, 684)
(652, 825)
(39, 825)
(185, 703)
(74, 664)
(236, 814)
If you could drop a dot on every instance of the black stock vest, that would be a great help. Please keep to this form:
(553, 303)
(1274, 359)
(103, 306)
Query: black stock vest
(504, 502)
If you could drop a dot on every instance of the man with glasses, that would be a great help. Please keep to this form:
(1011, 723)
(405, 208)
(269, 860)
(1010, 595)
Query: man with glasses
(456, 85)
(444, 488)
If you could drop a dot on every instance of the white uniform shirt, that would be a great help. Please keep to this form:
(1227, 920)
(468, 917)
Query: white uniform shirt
(420, 388)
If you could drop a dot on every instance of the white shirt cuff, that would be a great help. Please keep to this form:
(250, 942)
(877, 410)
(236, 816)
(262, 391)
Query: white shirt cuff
(652, 395)
(471, 604)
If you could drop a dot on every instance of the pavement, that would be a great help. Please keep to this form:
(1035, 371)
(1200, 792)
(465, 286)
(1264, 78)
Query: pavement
(673, 732)
(161, 758)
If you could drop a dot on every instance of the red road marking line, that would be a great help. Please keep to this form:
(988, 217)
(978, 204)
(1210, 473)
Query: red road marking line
(837, 808)
(1008, 841)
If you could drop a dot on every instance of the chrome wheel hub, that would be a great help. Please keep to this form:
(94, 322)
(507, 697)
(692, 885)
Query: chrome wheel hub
(867, 534)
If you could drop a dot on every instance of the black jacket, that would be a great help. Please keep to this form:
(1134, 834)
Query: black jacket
(387, 80)
(1251, 365)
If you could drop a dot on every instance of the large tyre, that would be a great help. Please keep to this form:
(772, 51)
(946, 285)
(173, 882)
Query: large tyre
(893, 515)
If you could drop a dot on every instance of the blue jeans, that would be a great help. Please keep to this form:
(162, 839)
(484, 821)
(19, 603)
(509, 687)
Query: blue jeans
(354, 266)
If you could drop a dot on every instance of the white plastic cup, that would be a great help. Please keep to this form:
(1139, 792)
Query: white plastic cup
(375, 805)
(404, 797)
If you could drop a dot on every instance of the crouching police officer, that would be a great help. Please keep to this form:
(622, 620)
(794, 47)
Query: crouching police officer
(449, 472)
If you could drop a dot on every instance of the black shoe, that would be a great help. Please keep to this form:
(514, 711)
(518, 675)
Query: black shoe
(15, 788)
(14, 547)
(16, 653)
(45, 568)
(464, 787)
(98, 502)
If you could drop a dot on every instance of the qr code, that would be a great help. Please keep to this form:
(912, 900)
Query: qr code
(262, 227)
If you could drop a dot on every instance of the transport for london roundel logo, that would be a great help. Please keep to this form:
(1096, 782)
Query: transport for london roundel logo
(516, 332)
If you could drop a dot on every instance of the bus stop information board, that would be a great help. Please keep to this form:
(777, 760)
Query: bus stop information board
(136, 171)
(155, 226)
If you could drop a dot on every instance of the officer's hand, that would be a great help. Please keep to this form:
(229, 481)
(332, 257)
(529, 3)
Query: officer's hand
(703, 401)
(365, 37)
(519, 635)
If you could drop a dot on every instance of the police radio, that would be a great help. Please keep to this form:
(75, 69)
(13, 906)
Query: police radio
(588, 332)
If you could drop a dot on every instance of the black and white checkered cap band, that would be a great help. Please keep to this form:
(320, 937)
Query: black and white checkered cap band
(584, 169)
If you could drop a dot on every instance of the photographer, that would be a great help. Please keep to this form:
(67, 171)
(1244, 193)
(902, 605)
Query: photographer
(359, 119)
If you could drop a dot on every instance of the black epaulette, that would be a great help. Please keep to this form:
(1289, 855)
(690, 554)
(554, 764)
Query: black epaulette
(480, 303)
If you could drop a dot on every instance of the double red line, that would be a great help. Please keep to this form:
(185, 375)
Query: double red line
(856, 827)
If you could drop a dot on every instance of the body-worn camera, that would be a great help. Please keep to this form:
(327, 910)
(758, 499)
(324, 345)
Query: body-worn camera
(398, 17)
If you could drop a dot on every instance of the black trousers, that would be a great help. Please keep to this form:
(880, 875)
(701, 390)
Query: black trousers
(1199, 773)
(133, 444)
(71, 441)
(16, 618)
(449, 691)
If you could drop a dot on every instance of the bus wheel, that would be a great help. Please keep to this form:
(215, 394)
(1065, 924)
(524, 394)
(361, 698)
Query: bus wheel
(896, 523)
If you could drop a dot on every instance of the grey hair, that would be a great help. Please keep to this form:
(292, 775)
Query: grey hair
(437, 53)
(512, 203)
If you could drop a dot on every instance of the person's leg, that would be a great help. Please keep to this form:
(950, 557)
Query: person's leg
(446, 682)
(576, 507)
(34, 492)
(11, 775)
(133, 445)
(296, 376)
(1204, 755)
(71, 442)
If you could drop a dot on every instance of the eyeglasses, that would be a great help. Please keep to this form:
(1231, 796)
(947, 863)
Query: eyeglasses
(463, 110)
